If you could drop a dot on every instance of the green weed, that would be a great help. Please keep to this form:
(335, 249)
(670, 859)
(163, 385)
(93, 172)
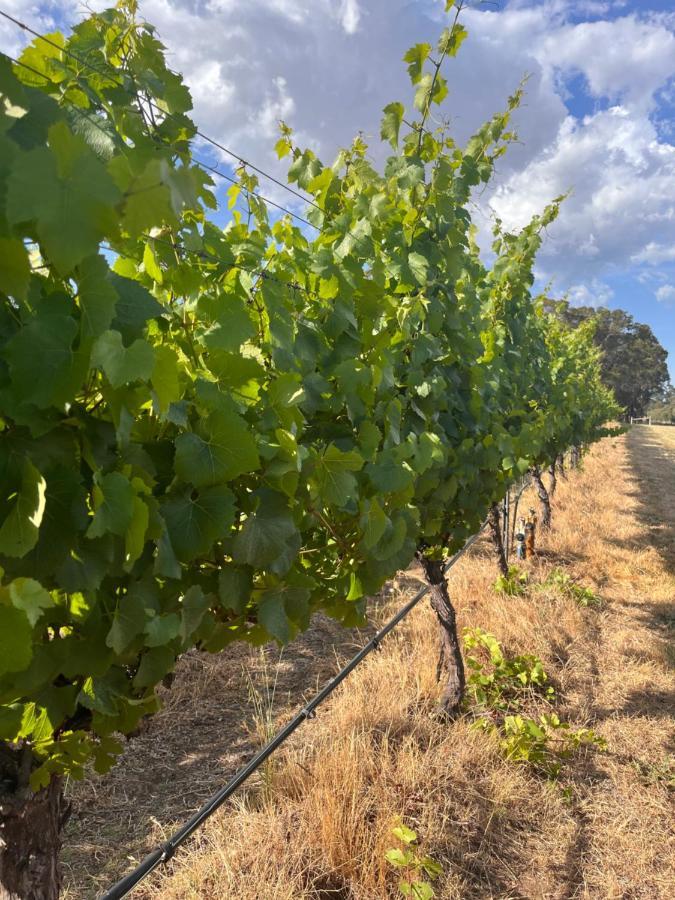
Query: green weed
(514, 584)
(501, 682)
(581, 595)
(415, 868)
(499, 685)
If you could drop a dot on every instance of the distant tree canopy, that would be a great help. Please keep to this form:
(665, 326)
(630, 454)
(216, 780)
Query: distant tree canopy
(634, 362)
(663, 407)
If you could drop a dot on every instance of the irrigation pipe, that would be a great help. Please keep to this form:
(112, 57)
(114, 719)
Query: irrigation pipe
(163, 853)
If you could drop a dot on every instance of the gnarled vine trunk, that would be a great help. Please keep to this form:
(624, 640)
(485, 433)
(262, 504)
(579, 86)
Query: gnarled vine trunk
(31, 825)
(450, 661)
(553, 486)
(494, 521)
(544, 498)
(561, 465)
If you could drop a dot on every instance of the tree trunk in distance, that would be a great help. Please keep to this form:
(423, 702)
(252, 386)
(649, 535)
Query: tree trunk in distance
(554, 480)
(30, 831)
(451, 656)
(544, 498)
(496, 532)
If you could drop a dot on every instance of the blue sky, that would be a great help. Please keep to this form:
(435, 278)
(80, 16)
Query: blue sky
(598, 119)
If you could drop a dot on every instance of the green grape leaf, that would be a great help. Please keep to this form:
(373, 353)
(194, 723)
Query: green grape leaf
(373, 523)
(165, 377)
(16, 639)
(233, 325)
(44, 368)
(161, 629)
(193, 606)
(235, 584)
(29, 596)
(121, 364)
(228, 449)
(131, 614)
(20, 530)
(196, 520)
(155, 664)
(166, 563)
(14, 268)
(391, 123)
(134, 538)
(97, 296)
(46, 187)
(419, 266)
(268, 537)
(272, 616)
(452, 39)
(135, 306)
(335, 482)
(114, 505)
(416, 56)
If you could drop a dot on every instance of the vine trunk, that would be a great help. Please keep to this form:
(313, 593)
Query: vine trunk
(31, 825)
(494, 521)
(544, 498)
(450, 660)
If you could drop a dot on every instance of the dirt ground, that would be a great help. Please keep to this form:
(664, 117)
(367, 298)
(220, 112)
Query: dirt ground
(317, 821)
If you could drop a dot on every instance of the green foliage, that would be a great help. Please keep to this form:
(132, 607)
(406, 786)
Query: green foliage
(543, 743)
(500, 686)
(207, 434)
(415, 867)
(514, 584)
(581, 595)
(497, 681)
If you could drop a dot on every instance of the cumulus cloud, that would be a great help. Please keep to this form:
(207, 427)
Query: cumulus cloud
(594, 294)
(329, 66)
(666, 294)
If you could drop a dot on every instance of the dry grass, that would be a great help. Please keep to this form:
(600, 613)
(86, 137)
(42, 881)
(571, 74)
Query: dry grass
(377, 751)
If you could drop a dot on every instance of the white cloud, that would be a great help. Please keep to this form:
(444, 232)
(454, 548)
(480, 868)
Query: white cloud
(596, 294)
(655, 253)
(350, 15)
(666, 294)
(329, 66)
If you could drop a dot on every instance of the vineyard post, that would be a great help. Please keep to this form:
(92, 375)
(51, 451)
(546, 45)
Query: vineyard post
(507, 519)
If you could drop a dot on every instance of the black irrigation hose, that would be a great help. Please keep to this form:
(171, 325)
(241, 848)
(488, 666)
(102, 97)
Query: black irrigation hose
(165, 851)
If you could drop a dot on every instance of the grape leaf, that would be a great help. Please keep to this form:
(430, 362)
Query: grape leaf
(45, 188)
(196, 522)
(14, 269)
(114, 505)
(121, 364)
(29, 596)
(228, 449)
(16, 636)
(20, 530)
